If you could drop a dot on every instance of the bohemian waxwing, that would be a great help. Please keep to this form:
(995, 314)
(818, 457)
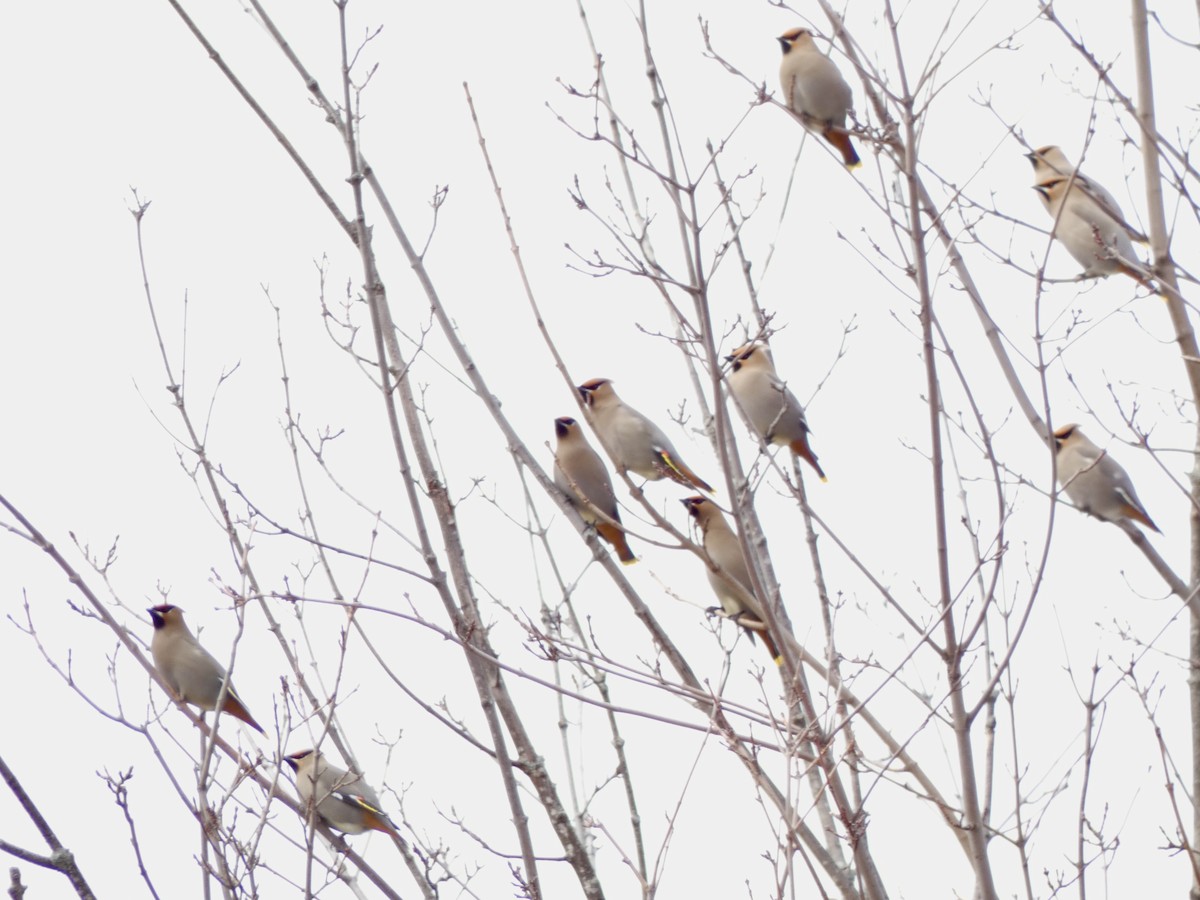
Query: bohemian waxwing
(1094, 481)
(1049, 161)
(815, 90)
(188, 669)
(772, 409)
(580, 474)
(722, 547)
(635, 443)
(1091, 225)
(342, 799)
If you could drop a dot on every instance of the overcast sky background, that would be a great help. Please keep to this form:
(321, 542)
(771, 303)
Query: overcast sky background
(109, 98)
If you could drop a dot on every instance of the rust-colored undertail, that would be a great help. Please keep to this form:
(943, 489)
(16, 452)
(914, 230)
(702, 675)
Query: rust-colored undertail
(841, 141)
(801, 449)
(1138, 515)
(616, 537)
(375, 819)
(677, 471)
(768, 641)
(234, 706)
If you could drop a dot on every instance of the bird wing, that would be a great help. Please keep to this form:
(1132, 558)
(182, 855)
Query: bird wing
(1122, 484)
(1103, 198)
(369, 806)
(791, 407)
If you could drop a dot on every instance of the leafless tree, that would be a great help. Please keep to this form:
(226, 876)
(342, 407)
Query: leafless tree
(387, 576)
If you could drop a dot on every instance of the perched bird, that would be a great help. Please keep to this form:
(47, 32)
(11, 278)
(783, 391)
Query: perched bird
(1094, 481)
(1049, 161)
(635, 443)
(190, 670)
(580, 474)
(732, 583)
(773, 410)
(1090, 225)
(342, 799)
(815, 90)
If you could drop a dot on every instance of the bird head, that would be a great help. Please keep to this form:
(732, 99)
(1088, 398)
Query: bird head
(1050, 186)
(596, 389)
(165, 614)
(1034, 155)
(752, 355)
(1050, 156)
(1064, 435)
(564, 425)
(293, 759)
(794, 36)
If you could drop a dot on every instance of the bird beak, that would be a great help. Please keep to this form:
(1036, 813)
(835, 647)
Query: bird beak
(1031, 156)
(783, 42)
(291, 762)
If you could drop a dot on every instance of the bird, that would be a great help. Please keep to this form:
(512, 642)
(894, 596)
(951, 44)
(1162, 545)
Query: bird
(635, 443)
(772, 409)
(342, 799)
(190, 670)
(1094, 481)
(815, 90)
(1090, 224)
(732, 583)
(1049, 161)
(580, 474)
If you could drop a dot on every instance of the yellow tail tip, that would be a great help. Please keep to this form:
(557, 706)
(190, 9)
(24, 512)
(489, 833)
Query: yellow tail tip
(630, 561)
(824, 480)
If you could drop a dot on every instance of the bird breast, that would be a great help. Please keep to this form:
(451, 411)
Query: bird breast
(763, 399)
(817, 87)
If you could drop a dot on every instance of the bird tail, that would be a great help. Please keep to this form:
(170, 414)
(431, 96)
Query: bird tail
(677, 471)
(755, 627)
(841, 141)
(234, 706)
(801, 449)
(768, 641)
(1139, 515)
(772, 647)
(376, 819)
(616, 536)
(1141, 279)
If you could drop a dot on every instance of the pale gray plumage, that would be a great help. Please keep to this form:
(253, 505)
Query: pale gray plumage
(772, 409)
(635, 443)
(580, 474)
(815, 90)
(1094, 481)
(1050, 161)
(343, 799)
(1090, 225)
(190, 670)
(722, 546)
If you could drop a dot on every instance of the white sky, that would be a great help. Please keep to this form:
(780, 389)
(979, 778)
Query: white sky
(109, 97)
